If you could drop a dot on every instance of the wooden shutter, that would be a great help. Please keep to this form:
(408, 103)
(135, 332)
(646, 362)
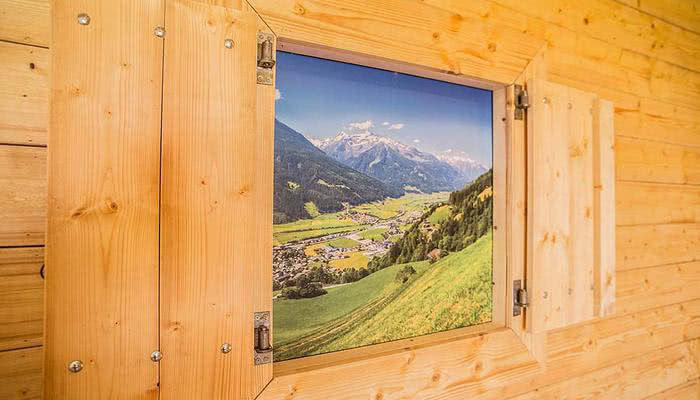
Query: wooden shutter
(102, 233)
(216, 218)
(570, 238)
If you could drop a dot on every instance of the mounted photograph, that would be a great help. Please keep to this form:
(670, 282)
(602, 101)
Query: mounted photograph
(383, 206)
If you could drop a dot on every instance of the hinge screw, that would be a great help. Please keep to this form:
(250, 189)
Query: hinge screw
(156, 356)
(159, 31)
(83, 19)
(225, 348)
(228, 43)
(75, 366)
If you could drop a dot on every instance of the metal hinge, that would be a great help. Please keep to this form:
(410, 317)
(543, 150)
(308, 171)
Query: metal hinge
(519, 298)
(261, 338)
(522, 102)
(266, 60)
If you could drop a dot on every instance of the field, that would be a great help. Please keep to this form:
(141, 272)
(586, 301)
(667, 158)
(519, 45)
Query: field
(451, 293)
(373, 234)
(355, 260)
(343, 243)
(390, 208)
(440, 214)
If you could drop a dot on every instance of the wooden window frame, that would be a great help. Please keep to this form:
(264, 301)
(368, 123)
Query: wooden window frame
(503, 130)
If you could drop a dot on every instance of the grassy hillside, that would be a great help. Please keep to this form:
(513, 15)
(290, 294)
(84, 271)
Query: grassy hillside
(451, 293)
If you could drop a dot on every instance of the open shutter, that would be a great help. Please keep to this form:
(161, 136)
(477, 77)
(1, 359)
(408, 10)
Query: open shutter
(216, 201)
(570, 272)
(102, 231)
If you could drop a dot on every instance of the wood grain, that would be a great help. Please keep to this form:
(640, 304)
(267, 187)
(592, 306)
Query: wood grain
(648, 245)
(24, 93)
(656, 203)
(686, 391)
(216, 204)
(633, 379)
(102, 239)
(20, 374)
(684, 13)
(23, 195)
(604, 212)
(646, 288)
(651, 161)
(21, 298)
(25, 21)
(560, 239)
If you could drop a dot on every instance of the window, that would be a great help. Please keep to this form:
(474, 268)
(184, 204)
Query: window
(383, 206)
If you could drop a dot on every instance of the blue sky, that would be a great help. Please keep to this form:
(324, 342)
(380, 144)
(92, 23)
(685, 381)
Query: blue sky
(319, 97)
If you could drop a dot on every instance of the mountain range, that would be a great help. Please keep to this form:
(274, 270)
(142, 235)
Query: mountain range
(305, 174)
(397, 164)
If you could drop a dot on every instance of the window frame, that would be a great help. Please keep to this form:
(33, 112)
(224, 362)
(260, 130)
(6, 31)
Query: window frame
(502, 270)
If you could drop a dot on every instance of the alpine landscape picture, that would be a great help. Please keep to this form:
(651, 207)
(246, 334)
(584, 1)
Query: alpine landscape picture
(383, 206)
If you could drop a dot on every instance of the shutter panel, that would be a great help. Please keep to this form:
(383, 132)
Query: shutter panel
(216, 216)
(564, 218)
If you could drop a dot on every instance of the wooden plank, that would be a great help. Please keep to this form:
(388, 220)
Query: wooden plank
(560, 238)
(20, 374)
(686, 391)
(629, 380)
(25, 21)
(492, 366)
(102, 240)
(604, 213)
(684, 13)
(216, 205)
(648, 245)
(656, 203)
(23, 195)
(659, 121)
(646, 288)
(24, 94)
(21, 298)
(612, 22)
(651, 161)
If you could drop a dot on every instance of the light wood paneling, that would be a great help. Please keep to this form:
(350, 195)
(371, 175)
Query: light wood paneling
(604, 209)
(20, 374)
(646, 288)
(633, 379)
(686, 391)
(21, 297)
(648, 245)
(684, 13)
(651, 161)
(24, 93)
(216, 205)
(23, 195)
(560, 252)
(654, 203)
(25, 21)
(102, 240)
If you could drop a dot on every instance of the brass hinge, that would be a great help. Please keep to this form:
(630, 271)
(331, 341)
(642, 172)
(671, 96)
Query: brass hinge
(262, 349)
(266, 60)
(522, 102)
(519, 298)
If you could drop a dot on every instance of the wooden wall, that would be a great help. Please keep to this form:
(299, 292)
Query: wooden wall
(644, 55)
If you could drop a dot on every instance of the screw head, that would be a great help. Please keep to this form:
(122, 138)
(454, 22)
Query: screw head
(228, 43)
(159, 31)
(545, 100)
(75, 366)
(225, 348)
(156, 356)
(83, 19)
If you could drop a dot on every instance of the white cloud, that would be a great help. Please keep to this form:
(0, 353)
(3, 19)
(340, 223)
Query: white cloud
(416, 141)
(385, 123)
(396, 126)
(362, 125)
(448, 151)
(278, 94)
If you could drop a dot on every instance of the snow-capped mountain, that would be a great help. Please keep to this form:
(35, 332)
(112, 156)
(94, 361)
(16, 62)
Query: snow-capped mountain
(469, 168)
(391, 161)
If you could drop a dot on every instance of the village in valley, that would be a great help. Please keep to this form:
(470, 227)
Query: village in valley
(354, 246)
